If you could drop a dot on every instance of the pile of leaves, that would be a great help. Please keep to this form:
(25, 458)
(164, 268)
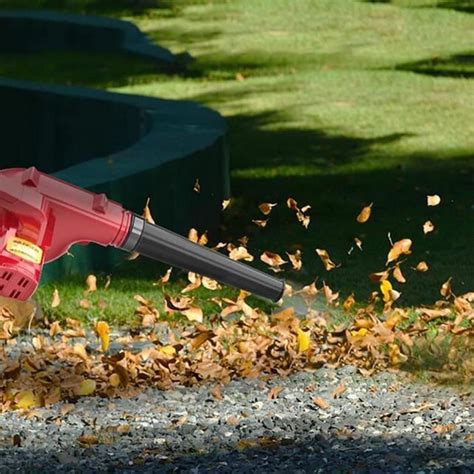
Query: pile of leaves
(63, 361)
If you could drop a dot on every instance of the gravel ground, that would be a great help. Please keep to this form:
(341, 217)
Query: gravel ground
(377, 425)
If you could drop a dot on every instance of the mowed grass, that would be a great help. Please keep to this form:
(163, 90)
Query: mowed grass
(336, 103)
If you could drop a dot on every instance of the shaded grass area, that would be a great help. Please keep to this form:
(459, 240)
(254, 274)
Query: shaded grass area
(319, 110)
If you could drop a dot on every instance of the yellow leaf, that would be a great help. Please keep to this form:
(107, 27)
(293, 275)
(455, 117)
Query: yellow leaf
(26, 400)
(86, 387)
(114, 380)
(386, 288)
(303, 340)
(396, 357)
(360, 333)
(168, 350)
(364, 215)
(103, 330)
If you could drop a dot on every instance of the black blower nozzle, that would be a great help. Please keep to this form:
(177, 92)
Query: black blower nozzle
(161, 244)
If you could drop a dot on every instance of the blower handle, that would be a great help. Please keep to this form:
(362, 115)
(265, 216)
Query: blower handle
(173, 249)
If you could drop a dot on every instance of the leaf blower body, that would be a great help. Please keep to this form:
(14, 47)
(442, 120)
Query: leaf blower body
(41, 217)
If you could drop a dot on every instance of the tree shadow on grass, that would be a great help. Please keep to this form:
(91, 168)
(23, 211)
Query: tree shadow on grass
(457, 66)
(466, 6)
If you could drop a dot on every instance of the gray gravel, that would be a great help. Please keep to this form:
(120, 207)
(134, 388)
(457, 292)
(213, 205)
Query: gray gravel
(378, 425)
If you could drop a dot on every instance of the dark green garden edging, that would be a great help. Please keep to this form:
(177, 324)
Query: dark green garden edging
(33, 31)
(129, 147)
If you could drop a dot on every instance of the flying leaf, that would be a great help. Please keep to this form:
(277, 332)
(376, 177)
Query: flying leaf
(358, 242)
(260, 223)
(147, 214)
(56, 300)
(365, 213)
(446, 289)
(225, 204)
(197, 186)
(428, 227)
(348, 303)
(195, 282)
(91, 283)
(295, 260)
(398, 275)
(292, 204)
(272, 259)
(303, 340)
(266, 207)
(327, 262)
(422, 267)
(210, 284)
(193, 235)
(331, 297)
(402, 247)
(102, 330)
(379, 276)
(240, 253)
(433, 200)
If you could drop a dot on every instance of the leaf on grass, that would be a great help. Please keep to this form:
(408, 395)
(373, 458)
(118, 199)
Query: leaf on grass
(402, 247)
(165, 278)
(428, 227)
(327, 262)
(365, 213)
(266, 207)
(433, 200)
(210, 284)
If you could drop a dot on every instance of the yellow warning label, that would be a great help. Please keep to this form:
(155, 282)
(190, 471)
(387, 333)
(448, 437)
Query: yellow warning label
(25, 250)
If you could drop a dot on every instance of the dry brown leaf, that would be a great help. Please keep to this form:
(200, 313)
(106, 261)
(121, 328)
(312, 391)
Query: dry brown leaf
(402, 247)
(348, 303)
(260, 223)
(91, 282)
(197, 186)
(327, 262)
(433, 200)
(340, 389)
(210, 284)
(365, 213)
(295, 260)
(331, 297)
(428, 227)
(321, 403)
(225, 204)
(272, 259)
(88, 439)
(422, 267)
(266, 207)
(84, 304)
(398, 275)
(239, 77)
(147, 214)
(441, 429)
(358, 242)
(56, 300)
(292, 204)
(446, 289)
(274, 392)
(240, 253)
(379, 276)
(216, 392)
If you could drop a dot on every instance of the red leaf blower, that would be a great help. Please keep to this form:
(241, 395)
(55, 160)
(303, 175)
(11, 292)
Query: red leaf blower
(42, 216)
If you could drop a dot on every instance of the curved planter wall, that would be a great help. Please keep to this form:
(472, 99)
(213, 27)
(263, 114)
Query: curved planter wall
(32, 31)
(129, 147)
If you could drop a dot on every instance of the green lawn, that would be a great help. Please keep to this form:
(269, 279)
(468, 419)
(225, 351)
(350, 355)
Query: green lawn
(343, 103)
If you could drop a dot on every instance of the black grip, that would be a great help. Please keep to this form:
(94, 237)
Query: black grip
(173, 249)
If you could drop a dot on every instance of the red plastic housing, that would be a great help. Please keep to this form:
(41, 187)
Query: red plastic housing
(51, 215)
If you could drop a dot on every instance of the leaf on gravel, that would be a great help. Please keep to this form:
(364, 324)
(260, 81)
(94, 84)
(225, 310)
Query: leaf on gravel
(402, 247)
(274, 392)
(26, 400)
(327, 262)
(88, 439)
(365, 213)
(266, 207)
(340, 389)
(16, 440)
(304, 340)
(428, 227)
(321, 403)
(86, 387)
(433, 200)
(102, 330)
(56, 300)
(441, 429)
(66, 408)
(216, 392)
